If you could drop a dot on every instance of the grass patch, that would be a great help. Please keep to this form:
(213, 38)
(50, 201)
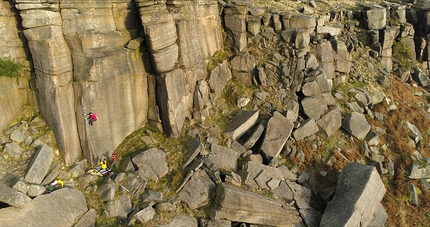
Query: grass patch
(222, 54)
(217, 59)
(9, 68)
(404, 54)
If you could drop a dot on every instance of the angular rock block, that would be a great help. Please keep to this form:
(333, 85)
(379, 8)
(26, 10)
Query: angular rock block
(40, 165)
(62, 207)
(314, 106)
(197, 190)
(358, 195)
(241, 124)
(239, 205)
(278, 130)
(376, 17)
(308, 128)
(252, 170)
(13, 197)
(151, 163)
(356, 124)
(330, 122)
(223, 157)
(420, 172)
(174, 98)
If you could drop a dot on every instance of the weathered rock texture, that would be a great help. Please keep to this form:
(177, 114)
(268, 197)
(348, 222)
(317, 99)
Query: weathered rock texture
(358, 195)
(236, 204)
(60, 208)
(97, 57)
(14, 92)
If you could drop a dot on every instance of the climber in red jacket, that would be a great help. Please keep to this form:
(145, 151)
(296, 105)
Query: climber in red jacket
(91, 118)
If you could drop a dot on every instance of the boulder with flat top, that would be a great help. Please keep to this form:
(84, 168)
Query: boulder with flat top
(239, 205)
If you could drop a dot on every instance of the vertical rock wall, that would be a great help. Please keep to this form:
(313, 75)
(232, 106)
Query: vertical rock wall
(81, 65)
(108, 79)
(180, 36)
(131, 62)
(14, 92)
(97, 55)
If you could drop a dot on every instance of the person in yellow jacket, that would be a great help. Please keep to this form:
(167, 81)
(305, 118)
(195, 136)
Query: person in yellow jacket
(60, 182)
(103, 164)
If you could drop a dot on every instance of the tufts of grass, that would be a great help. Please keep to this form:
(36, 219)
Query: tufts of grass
(9, 68)
(404, 54)
(222, 54)
(217, 59)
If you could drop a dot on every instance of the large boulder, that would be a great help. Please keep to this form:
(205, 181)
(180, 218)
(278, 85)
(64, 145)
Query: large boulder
(198, 190)
(88, 220)
(358, 195)
(174, 100)
(239, 205)
(60, 208)
(420, 171)
(252, 172)
(145, 214)
(120, 207)
(241, 66)
(278, 130)
(13, 149)
(330, 122)
(356, 124)
(151, 164)
(241, 124)
(314, 106)
(40, 164)
(223, 157)
(421, 78)
(307, 128)
(13, 197)
(218, 79)
(376, 17)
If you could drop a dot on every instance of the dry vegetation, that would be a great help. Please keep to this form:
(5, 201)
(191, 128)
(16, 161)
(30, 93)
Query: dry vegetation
(342, 147)
(397, 198)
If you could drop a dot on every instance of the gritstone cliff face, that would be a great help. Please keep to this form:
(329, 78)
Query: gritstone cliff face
(146, 62)
(102, 56)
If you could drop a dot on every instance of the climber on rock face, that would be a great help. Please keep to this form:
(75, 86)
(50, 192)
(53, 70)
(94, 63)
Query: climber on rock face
(91, 118)
(113, 159)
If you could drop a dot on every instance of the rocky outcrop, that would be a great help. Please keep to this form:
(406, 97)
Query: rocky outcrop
(81, 67)
(139, 62)
(14, 92)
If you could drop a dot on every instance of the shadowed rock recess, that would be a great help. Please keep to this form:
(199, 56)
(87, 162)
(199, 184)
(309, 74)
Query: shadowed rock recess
(283, 106)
